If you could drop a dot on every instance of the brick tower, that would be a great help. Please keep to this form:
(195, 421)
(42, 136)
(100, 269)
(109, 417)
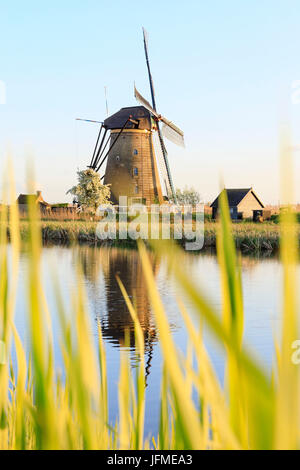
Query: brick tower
(131, 168)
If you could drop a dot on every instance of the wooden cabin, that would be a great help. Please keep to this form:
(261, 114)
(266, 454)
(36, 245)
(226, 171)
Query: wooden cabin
(38, 199)
(243, 204)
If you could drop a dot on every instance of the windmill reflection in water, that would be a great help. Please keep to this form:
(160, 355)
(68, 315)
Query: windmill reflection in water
(100, 266)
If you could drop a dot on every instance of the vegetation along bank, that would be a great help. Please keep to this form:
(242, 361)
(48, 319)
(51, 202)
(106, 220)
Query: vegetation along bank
(248, 236)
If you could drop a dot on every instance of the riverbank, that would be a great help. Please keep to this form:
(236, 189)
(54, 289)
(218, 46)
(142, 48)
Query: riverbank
(248, 236)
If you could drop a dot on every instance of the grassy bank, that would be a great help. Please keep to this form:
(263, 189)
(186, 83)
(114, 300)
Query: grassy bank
(249, 236)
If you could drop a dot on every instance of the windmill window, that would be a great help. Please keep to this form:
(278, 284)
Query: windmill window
(118, 158)
(135, 171)
(135, 152)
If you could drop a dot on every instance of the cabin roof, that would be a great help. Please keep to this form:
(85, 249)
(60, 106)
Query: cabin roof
(235, 197)
(138, 113)
(23, 199)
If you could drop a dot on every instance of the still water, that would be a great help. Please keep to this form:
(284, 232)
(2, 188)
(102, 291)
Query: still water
(261, 286)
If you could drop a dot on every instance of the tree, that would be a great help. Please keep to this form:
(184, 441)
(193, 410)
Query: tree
(90, 193)
(188, 196)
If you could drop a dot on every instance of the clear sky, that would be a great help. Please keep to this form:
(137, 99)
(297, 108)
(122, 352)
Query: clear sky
(223, 72)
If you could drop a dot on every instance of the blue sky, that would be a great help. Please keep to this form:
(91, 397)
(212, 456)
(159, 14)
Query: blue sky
(223, 72)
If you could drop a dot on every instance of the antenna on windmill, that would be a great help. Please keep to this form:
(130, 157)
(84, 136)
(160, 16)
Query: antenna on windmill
(106, 102)
(169, 129)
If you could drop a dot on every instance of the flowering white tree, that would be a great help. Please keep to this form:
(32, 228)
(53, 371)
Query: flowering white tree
(90, 193)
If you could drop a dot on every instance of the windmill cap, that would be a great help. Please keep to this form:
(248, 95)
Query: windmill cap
(137, 113)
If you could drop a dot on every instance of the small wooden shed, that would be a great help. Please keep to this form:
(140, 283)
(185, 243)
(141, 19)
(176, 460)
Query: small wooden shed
(243, 204)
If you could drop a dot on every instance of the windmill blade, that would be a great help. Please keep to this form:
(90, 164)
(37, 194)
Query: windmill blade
(162, 165)
(171, 125)
(173, 135)
(170, 130)
(161, 152)
(170, 187)
(146, 35)
(145, 103)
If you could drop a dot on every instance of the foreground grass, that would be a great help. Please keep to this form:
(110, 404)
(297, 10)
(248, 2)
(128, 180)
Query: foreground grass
(253, 237)
(42, 408)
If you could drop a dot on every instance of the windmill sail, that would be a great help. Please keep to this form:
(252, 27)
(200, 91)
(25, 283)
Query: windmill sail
(145, 103)
(145, 34)
(172, 135)
(162, 165)
(169, 130)
(162, 152)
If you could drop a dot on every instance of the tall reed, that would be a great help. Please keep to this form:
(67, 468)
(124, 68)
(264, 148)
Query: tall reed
(43, 409)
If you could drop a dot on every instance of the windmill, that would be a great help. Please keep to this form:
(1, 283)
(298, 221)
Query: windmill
(131, 143)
